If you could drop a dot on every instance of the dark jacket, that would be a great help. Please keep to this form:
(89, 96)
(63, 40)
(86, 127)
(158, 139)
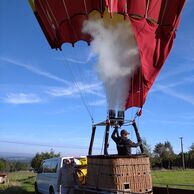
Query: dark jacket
(65, 177)
(124, 145)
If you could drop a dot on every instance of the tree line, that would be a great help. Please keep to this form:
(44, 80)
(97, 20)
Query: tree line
(39, 157)
(12, 166)
(34, 164)
(163, 156)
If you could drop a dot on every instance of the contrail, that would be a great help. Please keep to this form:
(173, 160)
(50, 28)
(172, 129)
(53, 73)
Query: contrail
(35, 70)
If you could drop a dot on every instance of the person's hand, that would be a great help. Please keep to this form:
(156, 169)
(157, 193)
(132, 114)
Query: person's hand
(115, 129)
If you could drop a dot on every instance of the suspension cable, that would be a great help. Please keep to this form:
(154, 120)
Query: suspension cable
(80, 91)
(77, 71)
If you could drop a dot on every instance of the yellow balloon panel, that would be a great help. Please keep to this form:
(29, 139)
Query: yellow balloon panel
(108, 19)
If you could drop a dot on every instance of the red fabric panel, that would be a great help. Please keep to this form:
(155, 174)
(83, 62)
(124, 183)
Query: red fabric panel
(73, 32)
(117, 6)
(62, 22)
(154, 44)
(45, 23)
(137, 7)
(165, 12)
(153, 53)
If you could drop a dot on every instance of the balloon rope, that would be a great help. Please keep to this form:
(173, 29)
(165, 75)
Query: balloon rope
(101, 6)
(81, 95)
(49, 19)
(66, 10)
(53, 15)
(85, 8)
(164, 10)
(83, 78)
(147, 7)
(132, 94)
(69, 19)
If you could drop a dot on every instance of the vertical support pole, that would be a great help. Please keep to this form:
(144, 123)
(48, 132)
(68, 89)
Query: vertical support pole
(167, 189)
(182, 153)
(92, 140)
(117, 132)
(138, 136)
(106, 138)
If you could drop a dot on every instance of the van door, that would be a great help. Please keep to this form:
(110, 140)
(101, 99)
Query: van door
(42, 181)
(54, 174)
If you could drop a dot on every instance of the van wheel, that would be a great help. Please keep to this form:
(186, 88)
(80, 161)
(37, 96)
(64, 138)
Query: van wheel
(51, 190)
(36, 188)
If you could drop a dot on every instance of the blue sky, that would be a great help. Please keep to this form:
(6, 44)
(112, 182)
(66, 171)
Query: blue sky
(40, 102)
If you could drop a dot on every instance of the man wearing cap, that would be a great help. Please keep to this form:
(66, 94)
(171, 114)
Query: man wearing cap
(65, 182)
(124, 144)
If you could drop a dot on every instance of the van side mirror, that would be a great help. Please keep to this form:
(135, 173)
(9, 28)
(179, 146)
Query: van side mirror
(39, 171)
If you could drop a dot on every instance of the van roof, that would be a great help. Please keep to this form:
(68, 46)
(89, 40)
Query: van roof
(65, 157)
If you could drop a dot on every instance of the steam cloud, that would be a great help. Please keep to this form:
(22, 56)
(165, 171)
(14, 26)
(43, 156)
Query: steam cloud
(118, 57)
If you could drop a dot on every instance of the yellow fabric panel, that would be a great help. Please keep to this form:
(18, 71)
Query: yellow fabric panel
(31, 2)
(83, 161)
(107, 17)
(81, 173)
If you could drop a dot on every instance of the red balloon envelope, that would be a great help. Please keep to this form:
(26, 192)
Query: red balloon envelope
(154, 23)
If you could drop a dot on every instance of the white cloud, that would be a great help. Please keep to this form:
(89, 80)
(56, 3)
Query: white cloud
(172, 122)
(74, 60)
(169, 91)
(185, 97)
(58, 92)
(98, 103)
(77, 89)
(35, 70)
(161, 87)
(185, 67)
(21, 98)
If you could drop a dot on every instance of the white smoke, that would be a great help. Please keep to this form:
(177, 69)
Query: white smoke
(117, 58)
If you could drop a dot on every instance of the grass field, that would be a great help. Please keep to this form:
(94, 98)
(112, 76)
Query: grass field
(23, 182)
(176, 179)
(19, 183)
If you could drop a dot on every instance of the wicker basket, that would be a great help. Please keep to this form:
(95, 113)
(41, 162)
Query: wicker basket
(119, 173)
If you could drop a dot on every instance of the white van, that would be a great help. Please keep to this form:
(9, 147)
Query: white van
(46, 179)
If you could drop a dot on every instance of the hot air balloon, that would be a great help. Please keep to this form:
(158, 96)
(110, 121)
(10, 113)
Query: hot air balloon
(153, 23)
(154, 28)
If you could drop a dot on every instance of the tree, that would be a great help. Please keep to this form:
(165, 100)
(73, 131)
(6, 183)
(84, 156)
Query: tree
(147, 148)
(21, 166)
(191, 156)
(164, 154)
(38, 158)
(157, 152)
(192, 147)
(168, 154)
(2, 165)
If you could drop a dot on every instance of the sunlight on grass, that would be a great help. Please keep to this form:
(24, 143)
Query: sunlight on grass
(174, 178)
(23, 182)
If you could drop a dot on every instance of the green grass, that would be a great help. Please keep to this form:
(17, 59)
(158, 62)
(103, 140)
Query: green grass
(23, 182)
(19, 183)
(174, 178)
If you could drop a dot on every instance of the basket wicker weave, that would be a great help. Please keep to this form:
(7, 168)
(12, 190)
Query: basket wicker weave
(119, 173)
